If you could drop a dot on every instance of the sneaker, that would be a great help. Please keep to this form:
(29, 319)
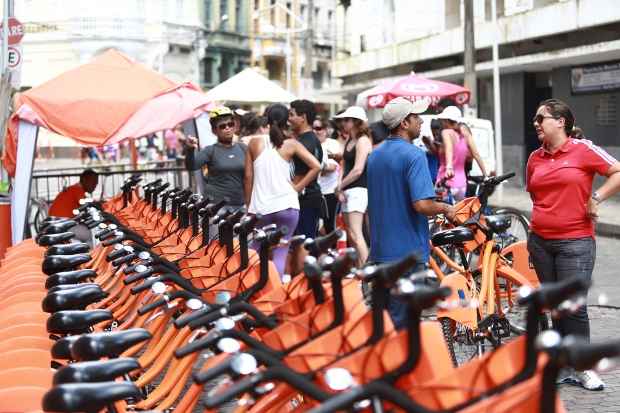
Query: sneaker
(566, 376)
(589, 380)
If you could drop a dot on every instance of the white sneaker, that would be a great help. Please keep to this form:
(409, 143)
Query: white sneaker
(589, 380)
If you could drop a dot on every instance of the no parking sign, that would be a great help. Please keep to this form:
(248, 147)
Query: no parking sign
(14, 57)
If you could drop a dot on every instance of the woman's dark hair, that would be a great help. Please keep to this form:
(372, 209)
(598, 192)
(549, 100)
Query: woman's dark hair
(305, 108)
(378, 132)
(559, 109)
(323, 121)
(277, 118)
(361, 127)
(251, 122)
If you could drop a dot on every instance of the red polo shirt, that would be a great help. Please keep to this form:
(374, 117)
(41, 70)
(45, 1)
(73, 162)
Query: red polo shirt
(67, 201)
(560, 185)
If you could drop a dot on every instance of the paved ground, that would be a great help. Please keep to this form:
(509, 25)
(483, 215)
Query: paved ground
(605, 326)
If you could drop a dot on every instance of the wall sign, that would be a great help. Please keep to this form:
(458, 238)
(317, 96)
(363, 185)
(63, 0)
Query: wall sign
(601, 77)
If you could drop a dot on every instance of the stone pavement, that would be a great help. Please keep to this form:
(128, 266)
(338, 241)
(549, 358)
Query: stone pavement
(609, 211)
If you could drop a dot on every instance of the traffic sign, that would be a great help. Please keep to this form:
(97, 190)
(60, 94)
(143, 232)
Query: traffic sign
(14, 57)
(16, 31)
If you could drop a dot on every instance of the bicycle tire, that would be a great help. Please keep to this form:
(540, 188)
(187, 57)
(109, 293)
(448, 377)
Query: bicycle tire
(523, 222)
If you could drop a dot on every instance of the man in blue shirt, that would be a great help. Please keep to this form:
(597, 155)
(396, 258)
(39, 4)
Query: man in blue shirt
(401, 194)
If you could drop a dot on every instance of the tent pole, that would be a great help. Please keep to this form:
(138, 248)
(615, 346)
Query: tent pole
(133, 153)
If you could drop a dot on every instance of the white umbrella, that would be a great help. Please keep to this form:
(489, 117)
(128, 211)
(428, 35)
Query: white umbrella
(249, 86)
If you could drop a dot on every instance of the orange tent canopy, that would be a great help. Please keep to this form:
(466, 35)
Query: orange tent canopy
(91, 102)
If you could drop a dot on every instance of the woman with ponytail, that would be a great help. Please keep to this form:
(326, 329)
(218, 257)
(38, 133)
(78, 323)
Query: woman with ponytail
(269, 188)
(565, 207)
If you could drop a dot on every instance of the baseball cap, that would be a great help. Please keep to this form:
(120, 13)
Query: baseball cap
(220, 111)
(398, 109)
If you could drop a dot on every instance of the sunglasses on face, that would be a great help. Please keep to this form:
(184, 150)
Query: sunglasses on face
(318, 127)
(224, 126)
(539, 118)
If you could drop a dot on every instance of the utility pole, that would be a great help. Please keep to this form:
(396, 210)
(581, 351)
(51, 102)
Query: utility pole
(469, 58)
(497, 99)
(309, 45)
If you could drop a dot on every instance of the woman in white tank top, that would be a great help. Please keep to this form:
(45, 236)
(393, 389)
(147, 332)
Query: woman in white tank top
(269, 189)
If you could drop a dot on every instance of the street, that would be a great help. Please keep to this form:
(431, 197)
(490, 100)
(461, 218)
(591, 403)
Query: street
(604, 326)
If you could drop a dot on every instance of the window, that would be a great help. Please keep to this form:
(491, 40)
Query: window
(239, 18)
(224, 17)
(208, 70)
(208, 14)
(288, 16)
(606, 111)
(256, 4)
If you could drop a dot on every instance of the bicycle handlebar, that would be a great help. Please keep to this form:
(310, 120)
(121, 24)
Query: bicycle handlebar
(551, 295)
(320, 245)
(391, 272)
(582, 355)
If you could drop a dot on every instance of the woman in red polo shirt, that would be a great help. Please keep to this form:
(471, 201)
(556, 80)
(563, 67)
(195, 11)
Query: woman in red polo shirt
(559, 179)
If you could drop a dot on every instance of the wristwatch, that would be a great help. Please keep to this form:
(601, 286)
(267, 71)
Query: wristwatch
(596, 197)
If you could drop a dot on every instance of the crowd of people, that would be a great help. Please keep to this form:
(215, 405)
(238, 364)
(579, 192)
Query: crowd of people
(300, 171)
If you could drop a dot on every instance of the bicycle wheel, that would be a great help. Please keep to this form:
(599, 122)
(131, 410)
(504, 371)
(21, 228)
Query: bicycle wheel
(520, 224)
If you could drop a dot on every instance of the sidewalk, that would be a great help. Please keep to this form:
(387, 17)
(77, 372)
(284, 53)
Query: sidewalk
(608, 224)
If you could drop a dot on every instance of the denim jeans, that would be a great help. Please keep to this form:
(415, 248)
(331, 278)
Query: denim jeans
(559, 259)
(397, 308)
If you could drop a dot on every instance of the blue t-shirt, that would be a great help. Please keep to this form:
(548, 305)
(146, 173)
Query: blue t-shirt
(398, 175)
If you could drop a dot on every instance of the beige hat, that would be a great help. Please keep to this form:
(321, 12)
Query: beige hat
(398, 109)
(354, 112)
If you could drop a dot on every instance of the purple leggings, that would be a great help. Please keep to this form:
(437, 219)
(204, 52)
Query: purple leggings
(285, 218)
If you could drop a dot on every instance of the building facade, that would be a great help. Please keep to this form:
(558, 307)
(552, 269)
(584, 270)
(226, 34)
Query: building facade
(61, 34)
(278, 35)
(227, 48)
(567, 49)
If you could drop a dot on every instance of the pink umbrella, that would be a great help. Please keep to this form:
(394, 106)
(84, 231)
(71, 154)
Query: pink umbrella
(415, 87)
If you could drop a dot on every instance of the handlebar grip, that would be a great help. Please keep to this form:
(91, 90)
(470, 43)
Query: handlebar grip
(342, 264)
(320, 245)
(262, 318)
(238, 388)
(123, 260)
(138, 276)
(391, 272)
(210, 317)
(248, 223)
(582, 355)
(117, 253)
(197, 345)
(552, 294)
(145, 285)
(274, 237)
(112, 241)
(211, 209)
(202, 377)
(151, 306)
(185, 319)
(235, 216)
(496, 180)
(423, 296)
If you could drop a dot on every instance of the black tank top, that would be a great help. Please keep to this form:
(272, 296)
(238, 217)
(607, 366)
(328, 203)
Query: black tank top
(349, 163)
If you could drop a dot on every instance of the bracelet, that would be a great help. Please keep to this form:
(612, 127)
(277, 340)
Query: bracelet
(596, 197)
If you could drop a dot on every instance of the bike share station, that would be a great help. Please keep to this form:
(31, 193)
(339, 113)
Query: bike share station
(159, 315)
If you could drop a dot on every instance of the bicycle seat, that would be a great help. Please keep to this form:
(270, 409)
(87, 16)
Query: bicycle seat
(97, 345)
(56, 263)
(69, 277)
(68, 249)
(61, 349)
(95, 371)
(65, 287)
(454, 236)
(72, 299)
(54, 239)
(57, 227)
(498, 223)
(88, 397)
(75, 321)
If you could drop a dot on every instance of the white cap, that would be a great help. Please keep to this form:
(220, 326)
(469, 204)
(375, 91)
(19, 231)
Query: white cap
(354, 112)
(398, 109)
(451, 113)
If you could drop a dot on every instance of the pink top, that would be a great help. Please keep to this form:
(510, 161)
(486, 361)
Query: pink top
(460, 152)
(170, 138)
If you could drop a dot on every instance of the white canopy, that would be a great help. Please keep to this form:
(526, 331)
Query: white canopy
(251, 87)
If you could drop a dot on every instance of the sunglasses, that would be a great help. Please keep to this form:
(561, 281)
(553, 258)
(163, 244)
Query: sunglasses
(318, 127)
(224, 126)
(539, 118)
